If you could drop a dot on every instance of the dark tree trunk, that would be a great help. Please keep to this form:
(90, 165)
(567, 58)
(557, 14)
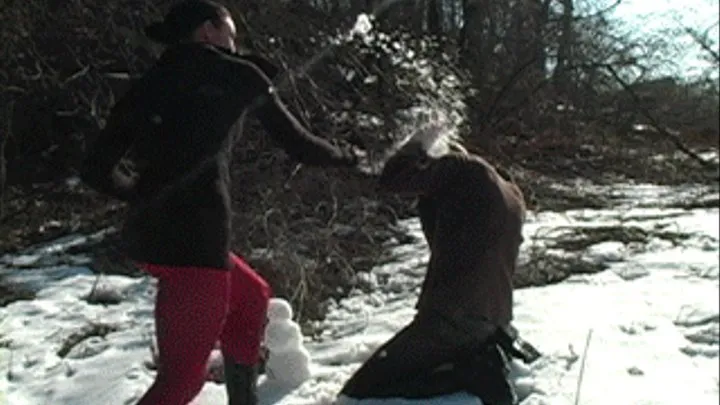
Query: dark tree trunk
(560, 75)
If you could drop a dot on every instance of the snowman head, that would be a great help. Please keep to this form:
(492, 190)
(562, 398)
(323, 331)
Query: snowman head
(279, 310)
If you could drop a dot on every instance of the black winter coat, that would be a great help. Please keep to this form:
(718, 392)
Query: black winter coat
(174, 128)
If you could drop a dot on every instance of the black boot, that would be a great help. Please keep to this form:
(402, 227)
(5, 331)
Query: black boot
(486, 376)
(241, 384)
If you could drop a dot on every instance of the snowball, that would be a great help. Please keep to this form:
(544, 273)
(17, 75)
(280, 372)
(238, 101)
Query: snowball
(371, 79)
(292, 368)
(279, 308)
(283, 336)
(362, 25)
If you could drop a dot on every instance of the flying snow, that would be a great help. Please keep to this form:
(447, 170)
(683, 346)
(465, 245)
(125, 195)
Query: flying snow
(363, 25)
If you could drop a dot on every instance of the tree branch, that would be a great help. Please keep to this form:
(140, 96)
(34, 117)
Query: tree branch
(662, 130)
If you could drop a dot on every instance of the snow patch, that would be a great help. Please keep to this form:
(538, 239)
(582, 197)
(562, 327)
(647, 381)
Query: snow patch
(655, 323)
(363, 25)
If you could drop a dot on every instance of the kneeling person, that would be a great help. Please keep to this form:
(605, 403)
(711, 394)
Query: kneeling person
(472, 220)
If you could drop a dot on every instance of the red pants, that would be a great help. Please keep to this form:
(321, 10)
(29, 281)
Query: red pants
(194, 308)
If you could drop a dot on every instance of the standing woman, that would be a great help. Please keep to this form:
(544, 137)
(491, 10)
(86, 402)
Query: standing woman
(166, 150)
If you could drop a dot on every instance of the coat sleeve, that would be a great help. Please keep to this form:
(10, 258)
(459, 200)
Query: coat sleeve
(427, 210)
(275, 117)
(267, 67)
(99, 168)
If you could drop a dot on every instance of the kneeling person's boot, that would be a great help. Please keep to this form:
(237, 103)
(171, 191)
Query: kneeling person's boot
(486, 376)
(241, 383)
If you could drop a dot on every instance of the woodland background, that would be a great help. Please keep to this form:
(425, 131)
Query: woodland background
(554, 92)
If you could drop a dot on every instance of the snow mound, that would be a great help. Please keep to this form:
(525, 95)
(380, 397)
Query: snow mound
(654, 314)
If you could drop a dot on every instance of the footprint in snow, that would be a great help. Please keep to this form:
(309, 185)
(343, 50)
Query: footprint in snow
(636, 328)
(635, 371)
(87, 348)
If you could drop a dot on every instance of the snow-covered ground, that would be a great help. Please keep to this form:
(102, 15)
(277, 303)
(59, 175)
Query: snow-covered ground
(652, 321)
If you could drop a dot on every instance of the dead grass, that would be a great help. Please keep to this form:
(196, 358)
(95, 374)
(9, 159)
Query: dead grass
(543, 194)
(542, 268)
(702, 203)
(606, 158)
(40, 213)
(576, 239)
(316, 230)
(561, 252)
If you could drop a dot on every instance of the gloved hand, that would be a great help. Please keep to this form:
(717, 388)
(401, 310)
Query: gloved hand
(360, 161)
(358, 157)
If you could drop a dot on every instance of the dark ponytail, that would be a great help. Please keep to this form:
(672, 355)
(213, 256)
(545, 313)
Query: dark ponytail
(182, 20)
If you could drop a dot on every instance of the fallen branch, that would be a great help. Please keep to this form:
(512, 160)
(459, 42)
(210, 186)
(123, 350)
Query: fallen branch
(654, 123)
(582, 367)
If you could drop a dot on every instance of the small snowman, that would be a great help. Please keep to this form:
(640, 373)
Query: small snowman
(288, 361)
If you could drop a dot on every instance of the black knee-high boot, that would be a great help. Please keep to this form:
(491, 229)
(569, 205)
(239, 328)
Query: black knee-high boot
(241, 383)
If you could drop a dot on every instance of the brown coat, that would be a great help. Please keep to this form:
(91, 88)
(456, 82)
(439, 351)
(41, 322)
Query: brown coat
(472, 219)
